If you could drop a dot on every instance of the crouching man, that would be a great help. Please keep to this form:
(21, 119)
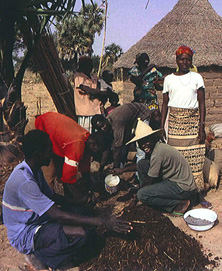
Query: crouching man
(166, 180)
(35, 225)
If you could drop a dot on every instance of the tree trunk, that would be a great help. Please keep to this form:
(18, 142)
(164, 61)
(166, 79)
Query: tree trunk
(8, 15)
(46, 59)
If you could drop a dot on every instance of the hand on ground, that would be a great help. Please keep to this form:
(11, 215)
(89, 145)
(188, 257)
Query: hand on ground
(118, 225)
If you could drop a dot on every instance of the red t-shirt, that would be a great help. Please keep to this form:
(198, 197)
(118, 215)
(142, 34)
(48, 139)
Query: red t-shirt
(68, 140)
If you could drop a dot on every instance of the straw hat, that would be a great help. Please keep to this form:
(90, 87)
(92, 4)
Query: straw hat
(143, 130)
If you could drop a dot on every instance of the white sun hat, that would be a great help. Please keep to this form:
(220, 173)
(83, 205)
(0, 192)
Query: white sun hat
(143, 130)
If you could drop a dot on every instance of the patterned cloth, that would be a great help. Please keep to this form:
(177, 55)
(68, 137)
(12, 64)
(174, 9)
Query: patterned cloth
(184, 50)
(182, 134)
(142, 91)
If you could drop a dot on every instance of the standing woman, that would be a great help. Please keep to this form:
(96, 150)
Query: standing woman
(147, 80)
(184, 102)
(86, 93)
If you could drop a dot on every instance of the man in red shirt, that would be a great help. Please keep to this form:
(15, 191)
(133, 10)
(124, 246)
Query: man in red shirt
(72, 146)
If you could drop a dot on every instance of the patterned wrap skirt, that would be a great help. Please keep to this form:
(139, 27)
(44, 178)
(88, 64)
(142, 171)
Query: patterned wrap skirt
(183, 131)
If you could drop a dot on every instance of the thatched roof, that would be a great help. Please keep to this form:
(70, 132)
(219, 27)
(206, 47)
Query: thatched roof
(191, 22)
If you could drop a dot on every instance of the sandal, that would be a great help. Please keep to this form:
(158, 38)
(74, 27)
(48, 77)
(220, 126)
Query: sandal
(175, 214)
(182, 207)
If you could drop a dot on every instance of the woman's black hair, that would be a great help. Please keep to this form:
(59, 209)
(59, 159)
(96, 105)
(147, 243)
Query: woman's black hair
(35, 141)
(142, 56)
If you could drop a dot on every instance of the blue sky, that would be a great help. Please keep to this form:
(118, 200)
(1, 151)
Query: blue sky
(128, 20)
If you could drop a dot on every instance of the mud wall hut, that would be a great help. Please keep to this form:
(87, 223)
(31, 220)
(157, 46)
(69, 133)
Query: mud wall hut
(193, 23)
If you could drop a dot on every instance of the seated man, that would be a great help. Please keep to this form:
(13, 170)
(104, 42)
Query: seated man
(120, 122)
(35, 225)
(72, 146)
(166, 180)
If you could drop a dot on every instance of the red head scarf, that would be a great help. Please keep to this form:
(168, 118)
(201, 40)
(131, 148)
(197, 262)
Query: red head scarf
(184, 50)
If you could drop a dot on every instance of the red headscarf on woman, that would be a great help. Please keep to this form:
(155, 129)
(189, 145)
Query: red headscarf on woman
(184, 50)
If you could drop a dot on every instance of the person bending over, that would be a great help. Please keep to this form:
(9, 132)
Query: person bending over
(121, 123)
(73, 147)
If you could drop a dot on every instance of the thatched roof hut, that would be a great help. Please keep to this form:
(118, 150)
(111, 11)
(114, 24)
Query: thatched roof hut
(191, 22)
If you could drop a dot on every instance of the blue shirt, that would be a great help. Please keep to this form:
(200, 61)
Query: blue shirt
(26, 199)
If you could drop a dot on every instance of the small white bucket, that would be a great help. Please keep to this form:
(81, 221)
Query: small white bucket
(111, 183)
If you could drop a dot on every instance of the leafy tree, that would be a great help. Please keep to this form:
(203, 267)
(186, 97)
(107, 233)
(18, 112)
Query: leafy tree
(112, 53)
(76, 33)
(95, 59)
(26, 22)
(31, 18)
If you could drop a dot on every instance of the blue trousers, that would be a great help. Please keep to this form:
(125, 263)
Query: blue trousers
(53, 247)
(163, 195)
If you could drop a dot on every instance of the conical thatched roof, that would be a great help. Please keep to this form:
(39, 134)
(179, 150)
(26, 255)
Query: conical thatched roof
(191, 22)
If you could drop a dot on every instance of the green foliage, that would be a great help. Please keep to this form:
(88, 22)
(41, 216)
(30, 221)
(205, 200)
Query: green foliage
(35, 15)
(76, 33)
(112, 53)
(95, 59)
(27, 20)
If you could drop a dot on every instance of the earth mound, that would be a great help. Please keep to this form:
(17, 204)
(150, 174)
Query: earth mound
(154, 244)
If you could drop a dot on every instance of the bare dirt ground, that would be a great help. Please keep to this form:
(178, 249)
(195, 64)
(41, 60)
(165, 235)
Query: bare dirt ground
(211, 239)
(36, 97)
(11, 260)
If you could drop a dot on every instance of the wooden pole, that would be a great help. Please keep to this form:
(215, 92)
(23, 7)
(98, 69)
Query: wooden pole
(104, 38)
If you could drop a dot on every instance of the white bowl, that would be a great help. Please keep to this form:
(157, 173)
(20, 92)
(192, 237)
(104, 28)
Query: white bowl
(202, 214)
(111, 183)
